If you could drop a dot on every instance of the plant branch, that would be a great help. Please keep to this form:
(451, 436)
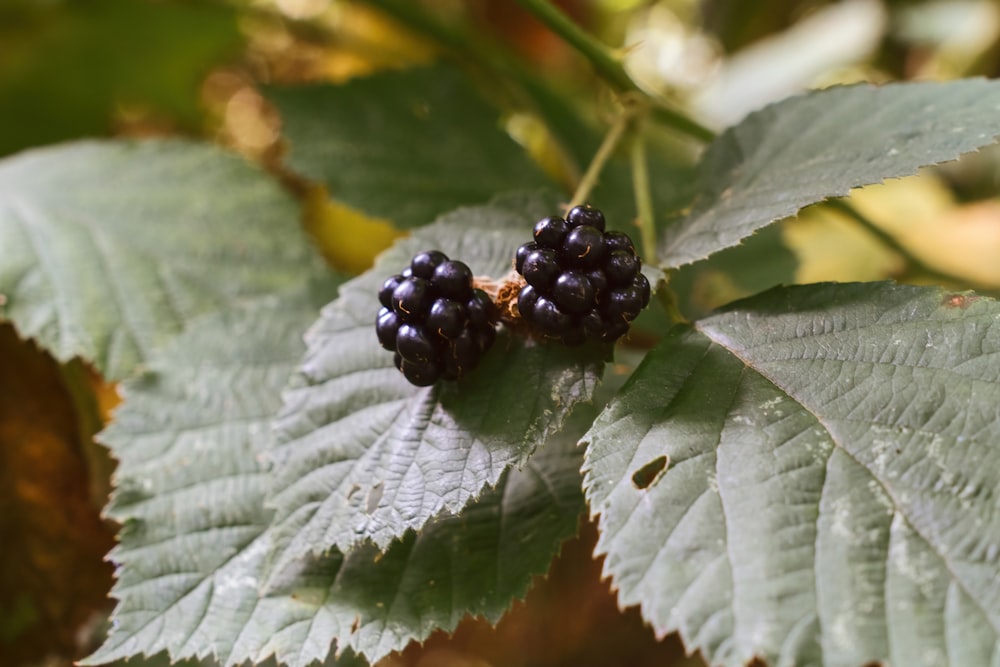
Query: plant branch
(608, 66)
(607, 148)
(600, 57)
(645, 219)
(890, 241)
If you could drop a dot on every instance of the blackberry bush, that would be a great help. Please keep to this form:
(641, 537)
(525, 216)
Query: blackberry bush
(582, 282)
(434, 320)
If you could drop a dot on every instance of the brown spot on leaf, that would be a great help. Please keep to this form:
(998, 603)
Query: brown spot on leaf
(958, 300)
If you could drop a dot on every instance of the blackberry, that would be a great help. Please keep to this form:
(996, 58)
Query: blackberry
(446, 318)
(522, 254)
(585, 215)
(584, 248)
(424, 263)
(453, 280)
(573, 293)
(584, 283)
(433, 319)
(411, 298)
(621, 268)
(550, 232)
(541, 267)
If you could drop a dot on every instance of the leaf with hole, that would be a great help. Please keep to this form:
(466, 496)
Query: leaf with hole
(829, 458)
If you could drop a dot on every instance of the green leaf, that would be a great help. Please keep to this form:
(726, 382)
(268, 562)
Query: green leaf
(829, 459)
(191, 438)
(475, 563)
(190, 484)
(110, 248)
(364, 455)
(806, 149)
(68, 67)
(405, 146)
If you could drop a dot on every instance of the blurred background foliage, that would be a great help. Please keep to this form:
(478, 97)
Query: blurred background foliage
(126, 68)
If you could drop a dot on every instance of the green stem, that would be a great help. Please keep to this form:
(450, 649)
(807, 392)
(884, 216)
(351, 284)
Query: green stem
(672, 118)
(593, 174)
(608, 66)
(600, 57)
(645, 220)
(890, 241)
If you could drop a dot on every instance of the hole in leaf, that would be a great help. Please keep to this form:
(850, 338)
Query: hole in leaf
(650, 473)
(374, 496)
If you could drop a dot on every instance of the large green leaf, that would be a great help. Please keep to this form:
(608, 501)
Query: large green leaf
(405, 146)
(364, 455)
(109, 248)
(190, 484)
(809, 148)
(191, 438)
(809, 478)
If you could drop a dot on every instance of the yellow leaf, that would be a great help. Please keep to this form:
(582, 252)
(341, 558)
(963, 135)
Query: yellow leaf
(920, 213)
(348, 239)
(831, 246)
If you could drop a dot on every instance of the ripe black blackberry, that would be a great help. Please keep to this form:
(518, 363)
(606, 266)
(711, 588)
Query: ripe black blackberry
(583, 282)
(433, 319)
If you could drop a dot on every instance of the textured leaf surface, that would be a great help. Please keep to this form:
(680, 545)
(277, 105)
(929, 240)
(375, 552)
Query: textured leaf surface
(820, 145)
(364, 455)
(809, 478)
(191, 488)
(474, 563)
(190, 484)
(109, 248)
(405, 146)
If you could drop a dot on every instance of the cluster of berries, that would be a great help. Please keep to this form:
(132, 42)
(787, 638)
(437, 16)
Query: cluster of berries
(582, 283)
(437, 324)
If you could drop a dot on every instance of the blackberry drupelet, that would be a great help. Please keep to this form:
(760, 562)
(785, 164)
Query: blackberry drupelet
(583, 282)
(432, 318)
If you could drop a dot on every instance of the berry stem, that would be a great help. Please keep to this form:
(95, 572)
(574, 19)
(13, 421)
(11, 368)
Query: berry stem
(646, 219)
(611, 141)
(609, 67)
